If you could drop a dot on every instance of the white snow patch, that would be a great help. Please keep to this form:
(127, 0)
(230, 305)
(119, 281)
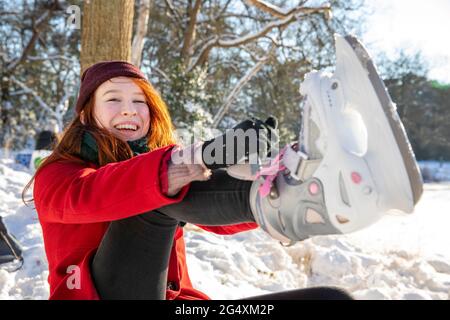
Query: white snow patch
(400, 257)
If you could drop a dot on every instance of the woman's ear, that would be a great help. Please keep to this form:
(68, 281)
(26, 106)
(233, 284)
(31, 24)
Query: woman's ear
(82, 117)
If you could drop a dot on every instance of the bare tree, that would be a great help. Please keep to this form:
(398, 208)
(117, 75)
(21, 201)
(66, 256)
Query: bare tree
(229, 38)
(202, 54)
(282, 21)
(237, 88)
(189, 35)
(141, 31)
(31, 26)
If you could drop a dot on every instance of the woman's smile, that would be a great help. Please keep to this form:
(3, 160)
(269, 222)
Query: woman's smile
(121, 107)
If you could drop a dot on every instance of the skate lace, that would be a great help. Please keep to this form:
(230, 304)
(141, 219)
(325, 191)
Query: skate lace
(270, 172)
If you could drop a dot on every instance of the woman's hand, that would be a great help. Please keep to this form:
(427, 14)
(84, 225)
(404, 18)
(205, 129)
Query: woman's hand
(185, 166)
(246, 142)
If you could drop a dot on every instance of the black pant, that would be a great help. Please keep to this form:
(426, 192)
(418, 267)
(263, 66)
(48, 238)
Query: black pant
(133, 258)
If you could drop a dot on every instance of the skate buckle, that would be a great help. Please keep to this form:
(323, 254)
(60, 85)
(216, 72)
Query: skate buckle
(294, 161)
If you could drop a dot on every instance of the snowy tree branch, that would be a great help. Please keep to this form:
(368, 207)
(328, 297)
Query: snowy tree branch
(141, 30)
(218, 16)
(52, 57)
(189, 35)
(60, 109)
(230, 15)
(162, 73)
(269, 8)
(219, 42)
(5, 13)
(62, 106)
(18, 92)
(28, 90)
(282, 13)
(40, 22)
(174, 12)
(238, 87)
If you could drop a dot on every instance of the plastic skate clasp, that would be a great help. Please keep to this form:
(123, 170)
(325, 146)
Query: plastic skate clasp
(295, 161)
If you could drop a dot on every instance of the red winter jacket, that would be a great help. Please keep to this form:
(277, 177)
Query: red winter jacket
(75, 205)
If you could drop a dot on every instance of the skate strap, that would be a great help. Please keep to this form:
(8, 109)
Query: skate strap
(298, 163)
(288, 158)
(295, 162)
(270, 172)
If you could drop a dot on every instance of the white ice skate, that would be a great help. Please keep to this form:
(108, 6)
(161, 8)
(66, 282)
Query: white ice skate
(353, 162)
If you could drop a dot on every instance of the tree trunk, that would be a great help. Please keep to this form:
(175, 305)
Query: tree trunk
(107, 27)
(189, 34)
(141, 32)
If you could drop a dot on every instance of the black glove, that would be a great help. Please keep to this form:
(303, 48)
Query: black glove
(240, 144)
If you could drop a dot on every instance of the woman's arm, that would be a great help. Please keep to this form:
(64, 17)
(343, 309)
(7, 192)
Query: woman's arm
(181, 166)
(66, 192)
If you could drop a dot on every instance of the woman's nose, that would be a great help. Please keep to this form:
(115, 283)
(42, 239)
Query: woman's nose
(128, 109)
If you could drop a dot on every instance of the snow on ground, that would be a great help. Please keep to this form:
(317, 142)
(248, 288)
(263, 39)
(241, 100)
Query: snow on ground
(30, 282)
(400, 257)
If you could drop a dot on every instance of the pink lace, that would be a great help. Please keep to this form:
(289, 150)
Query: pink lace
(270, 172)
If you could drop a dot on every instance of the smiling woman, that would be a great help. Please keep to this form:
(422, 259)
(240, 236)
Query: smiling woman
(119, 116)
(112, 200)
(120, 106)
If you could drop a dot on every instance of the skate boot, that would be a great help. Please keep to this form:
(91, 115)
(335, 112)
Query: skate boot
(353, 162)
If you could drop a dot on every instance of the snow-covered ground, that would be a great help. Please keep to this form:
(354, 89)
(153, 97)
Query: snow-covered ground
(400, 257)
(30, 282)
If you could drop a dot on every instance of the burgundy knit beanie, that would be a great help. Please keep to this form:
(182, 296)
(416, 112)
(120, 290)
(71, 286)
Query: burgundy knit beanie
(100, 72)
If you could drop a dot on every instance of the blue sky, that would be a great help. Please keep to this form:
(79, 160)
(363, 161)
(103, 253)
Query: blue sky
(413, 25)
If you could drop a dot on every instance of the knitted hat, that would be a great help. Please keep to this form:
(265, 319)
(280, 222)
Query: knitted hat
(100, 72)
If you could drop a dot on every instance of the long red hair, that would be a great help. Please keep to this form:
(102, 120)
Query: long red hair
(110, 148)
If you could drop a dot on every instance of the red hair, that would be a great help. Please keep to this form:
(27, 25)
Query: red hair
(110, 148)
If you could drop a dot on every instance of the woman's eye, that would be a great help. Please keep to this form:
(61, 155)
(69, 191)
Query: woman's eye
(113, 99)
(139, 101)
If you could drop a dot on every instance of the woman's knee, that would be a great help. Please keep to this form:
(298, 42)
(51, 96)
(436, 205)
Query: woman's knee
(156, 217)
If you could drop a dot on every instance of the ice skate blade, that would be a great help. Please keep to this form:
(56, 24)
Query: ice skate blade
(404, 147)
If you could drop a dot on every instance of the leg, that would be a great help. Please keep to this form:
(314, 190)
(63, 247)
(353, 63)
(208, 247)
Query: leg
(353, 162)
(133, 258)
(317, 293)
(222, 200)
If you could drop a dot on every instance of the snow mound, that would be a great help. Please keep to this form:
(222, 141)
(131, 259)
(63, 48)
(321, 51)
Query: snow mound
(400, 257)
(30, 282)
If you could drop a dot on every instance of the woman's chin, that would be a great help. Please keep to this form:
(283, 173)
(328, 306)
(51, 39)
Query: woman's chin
(128, 135)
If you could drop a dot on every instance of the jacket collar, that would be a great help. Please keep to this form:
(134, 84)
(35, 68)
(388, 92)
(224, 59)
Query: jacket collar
(89, 148)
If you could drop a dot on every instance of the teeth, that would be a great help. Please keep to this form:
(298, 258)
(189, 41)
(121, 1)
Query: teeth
(126, 126)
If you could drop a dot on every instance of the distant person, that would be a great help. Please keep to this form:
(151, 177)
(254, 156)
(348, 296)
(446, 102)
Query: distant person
(45, 140)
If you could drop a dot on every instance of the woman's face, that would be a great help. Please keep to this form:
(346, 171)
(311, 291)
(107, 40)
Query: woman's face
(121, 108)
